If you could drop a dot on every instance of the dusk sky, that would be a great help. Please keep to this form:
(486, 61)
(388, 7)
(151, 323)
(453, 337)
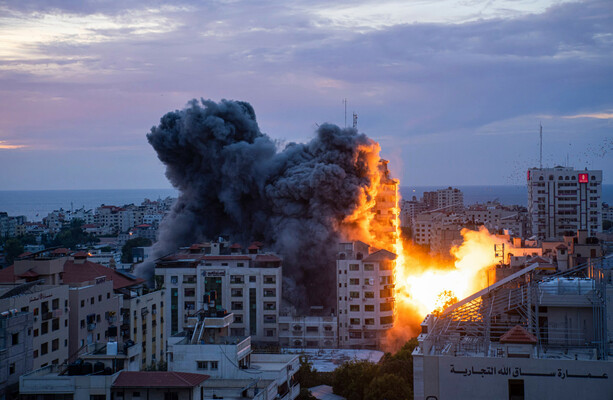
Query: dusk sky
(454, 91)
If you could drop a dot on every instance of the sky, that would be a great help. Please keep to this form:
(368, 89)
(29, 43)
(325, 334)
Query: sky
(454, 91)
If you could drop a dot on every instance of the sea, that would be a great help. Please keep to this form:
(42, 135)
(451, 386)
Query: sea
(36, 204)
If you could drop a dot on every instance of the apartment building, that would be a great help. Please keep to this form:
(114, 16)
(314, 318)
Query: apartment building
(318, 329)
(50, 317)
(93, 313)
(248, 283)
(142, 321)
(563, 199)
(448, 200)
(236, 371)
(15, 350)
(365, 304)
(384, 225)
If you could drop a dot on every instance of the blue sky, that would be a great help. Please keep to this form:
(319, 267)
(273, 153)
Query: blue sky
(454, 91)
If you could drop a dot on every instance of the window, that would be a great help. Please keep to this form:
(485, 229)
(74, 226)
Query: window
(240, 264)
(270, 292)
(369, 267)
(386, 320)
(202, 364)
(99, 298)
(44, 327)
(44, 348)
(354, 281)
(35, 354)
(269, 332)
(369, 295)
(171, 396)
(11, 368)
(369, 321)
(136, 394)
(270, 319)
(354, 295)
(369, 308)
(354, 307)
(312, 329)
(55, 304)
(15, 338)
(270, 306)
(355, 335)
(238, 318)
(214, 365)
(236, 292)
(270, 279)
(252, 278)
(354, 267)
(174, 280)
(55, 344)
(91, 300)
(82, 303)
(35, 332)
(237, 279)
(55, 324)
(354, 321)
(237, 305)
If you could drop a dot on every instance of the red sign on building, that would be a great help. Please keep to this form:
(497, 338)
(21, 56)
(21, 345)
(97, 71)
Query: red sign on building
(583, 178)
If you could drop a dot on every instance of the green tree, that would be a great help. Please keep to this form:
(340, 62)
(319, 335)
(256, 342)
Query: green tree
(352, 378)
(400, 363)
(388, 387)
(126, 250)
(12, 248)
(73, 235)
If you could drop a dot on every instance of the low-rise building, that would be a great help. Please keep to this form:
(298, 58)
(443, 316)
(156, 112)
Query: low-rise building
(308, 331)
(235, 371)
(522, 337)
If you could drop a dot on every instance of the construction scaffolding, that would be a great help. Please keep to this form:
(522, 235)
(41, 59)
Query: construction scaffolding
(474, 325)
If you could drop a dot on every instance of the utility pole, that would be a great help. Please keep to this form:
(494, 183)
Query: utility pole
(541, 152)
(345, 103)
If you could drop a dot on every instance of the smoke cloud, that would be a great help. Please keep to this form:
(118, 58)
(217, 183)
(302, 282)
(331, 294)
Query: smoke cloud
(300, 200)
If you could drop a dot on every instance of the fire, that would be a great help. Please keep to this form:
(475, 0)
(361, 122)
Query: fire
(426, 285)
(423, 284)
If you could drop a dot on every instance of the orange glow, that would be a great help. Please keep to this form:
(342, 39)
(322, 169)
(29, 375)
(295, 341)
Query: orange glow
(423, 283)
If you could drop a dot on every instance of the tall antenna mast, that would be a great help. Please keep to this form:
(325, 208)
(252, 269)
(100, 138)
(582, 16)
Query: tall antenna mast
(345, 102)
(541, 153)
(355, 121)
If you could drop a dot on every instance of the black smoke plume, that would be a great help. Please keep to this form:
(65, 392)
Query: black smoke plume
(233, 181)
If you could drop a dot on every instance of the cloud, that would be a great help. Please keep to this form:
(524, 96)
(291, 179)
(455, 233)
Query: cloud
(5, 146)
(418, 80)
(601, 115)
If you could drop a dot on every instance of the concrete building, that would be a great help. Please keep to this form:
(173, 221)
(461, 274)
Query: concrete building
(319, 329)
(235, 371)
(132, 385)
(448, 200)
(409, 209)
(49, 308)
(15, 350)
(563, 199)
(522, 337)
(365, 290)
(246, 282)
(142, 321)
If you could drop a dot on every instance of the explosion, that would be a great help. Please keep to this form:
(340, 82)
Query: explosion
(301, 200)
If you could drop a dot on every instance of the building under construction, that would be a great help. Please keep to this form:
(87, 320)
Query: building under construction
(523, 337)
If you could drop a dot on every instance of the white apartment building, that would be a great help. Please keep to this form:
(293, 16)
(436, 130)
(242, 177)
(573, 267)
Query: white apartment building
(210, 274)
(563, 199)
(15, 350)
(49, 307)
(207, 347)
(365, 295)
(423, 226)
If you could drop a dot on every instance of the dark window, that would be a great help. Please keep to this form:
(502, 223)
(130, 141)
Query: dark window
(44, 328)
(44, 348)
(55, 344)
(516, 389)
(55, 324)
(15, 338)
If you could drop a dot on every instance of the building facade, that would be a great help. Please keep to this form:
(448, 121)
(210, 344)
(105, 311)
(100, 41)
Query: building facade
(50, 311)
(212, 275)
(365, 295)
(563, 199)
(15, 350)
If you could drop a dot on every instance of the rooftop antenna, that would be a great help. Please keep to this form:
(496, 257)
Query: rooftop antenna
(541, 152)
(355, 121)
(345, 103)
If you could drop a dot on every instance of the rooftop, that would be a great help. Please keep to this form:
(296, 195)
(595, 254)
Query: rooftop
(158, 379)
